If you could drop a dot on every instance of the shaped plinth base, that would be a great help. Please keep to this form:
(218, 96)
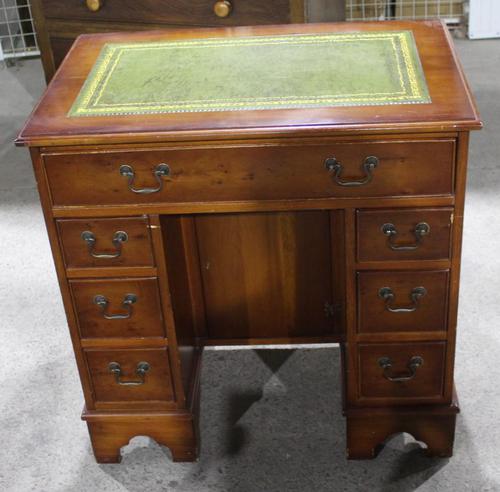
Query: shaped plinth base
(368, 428)
(110, 432)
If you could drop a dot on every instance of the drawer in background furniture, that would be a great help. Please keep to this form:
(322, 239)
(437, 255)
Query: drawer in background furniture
(404, 234)
(403, 301)
(184, 12)
(403, 168)
(106, 245)
(402, 372)
(140, 375)
(118, 308)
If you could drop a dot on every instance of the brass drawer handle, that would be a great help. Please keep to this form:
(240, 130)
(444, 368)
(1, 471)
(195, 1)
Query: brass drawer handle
(103, 304)
(119, 238)
(421, 229)
(222, 8)
(416, 294)
(334, 166)
(386, 364)
(161, 171)
(141, 370)
(94, 5)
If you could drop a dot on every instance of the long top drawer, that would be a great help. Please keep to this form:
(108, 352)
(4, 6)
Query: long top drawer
(266, 172)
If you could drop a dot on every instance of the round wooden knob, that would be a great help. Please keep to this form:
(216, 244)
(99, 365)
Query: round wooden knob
(94, 5)
(222, 8)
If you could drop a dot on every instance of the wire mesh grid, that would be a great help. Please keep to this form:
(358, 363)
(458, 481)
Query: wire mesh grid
(17, 33)
(452, 11)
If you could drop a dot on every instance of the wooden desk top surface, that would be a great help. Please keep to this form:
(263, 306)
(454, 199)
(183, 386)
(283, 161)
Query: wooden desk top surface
(451, 107)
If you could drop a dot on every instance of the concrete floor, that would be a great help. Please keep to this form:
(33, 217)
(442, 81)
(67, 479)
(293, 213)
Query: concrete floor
(271, 419)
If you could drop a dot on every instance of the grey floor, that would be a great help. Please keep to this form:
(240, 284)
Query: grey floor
(271, 419)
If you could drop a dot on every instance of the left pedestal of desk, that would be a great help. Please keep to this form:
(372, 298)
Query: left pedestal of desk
(140, 375)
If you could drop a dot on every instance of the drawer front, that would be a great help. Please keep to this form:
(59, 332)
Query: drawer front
(395, 301)
(252, 173)
(404, 234)
(118, 308)
(402, 371)
(147, 369)
(106, 242)
(187, 12)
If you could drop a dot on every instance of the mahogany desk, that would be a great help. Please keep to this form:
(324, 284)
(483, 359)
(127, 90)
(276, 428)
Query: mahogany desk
(315, 197)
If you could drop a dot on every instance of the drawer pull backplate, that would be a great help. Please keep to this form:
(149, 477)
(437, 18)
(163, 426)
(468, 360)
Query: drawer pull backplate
(103, 303)
(421, 229)
(335, 167)
(161, 171)
(416, 294)
(119, 238)
(141, 370)
(386, 364)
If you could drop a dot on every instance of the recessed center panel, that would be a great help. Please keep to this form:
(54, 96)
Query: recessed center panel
(266, 274)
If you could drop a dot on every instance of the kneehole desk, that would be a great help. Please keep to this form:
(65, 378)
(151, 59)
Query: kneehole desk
(258, 185)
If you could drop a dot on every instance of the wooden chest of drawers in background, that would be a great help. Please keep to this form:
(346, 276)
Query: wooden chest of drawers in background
(334, 224)
(59, 22)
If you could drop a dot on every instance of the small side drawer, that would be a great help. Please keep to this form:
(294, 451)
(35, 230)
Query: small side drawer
(404, 234)
(402, 301)
(106, 242)
(130, 375)
(118, 308)
(402, 372)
